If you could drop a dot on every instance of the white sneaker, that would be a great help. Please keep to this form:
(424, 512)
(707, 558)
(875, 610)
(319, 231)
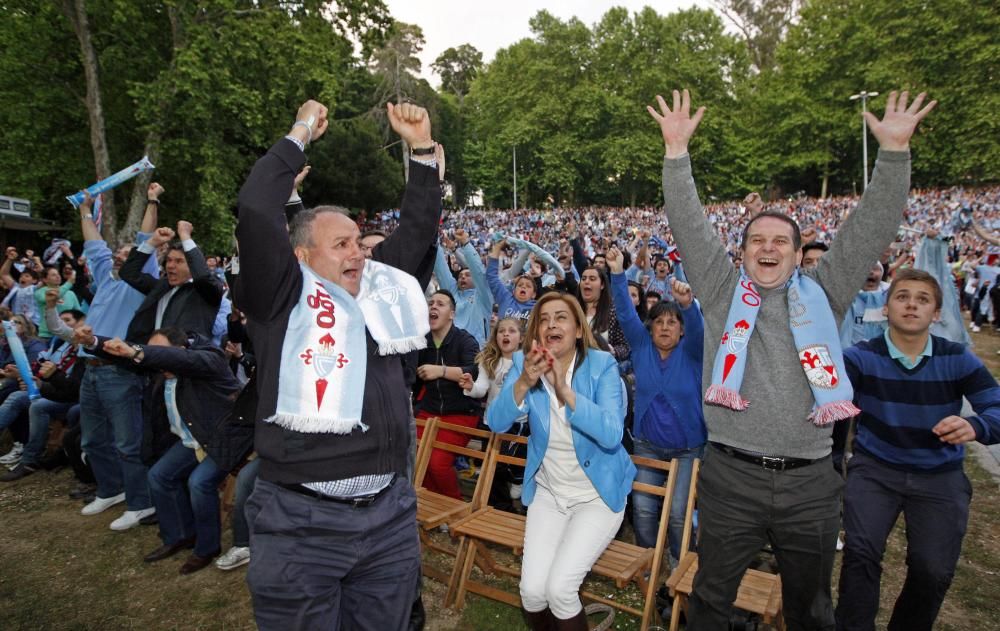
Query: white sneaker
(130, 518)
(233, 558)
(101, 504)
(840, 543)
(975, 329)
(13, 456)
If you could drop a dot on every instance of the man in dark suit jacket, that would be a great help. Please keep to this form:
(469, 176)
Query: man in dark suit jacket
(189, 390)
(188, 294)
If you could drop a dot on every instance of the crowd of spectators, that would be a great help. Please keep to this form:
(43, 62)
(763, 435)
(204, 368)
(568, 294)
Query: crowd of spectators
(139, 355)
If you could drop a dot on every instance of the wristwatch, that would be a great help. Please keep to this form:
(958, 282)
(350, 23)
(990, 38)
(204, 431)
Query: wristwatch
(137, 355)
(422, 151)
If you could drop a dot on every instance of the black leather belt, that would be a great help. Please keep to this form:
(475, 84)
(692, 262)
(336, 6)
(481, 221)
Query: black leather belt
(354, 502)
(770, 463)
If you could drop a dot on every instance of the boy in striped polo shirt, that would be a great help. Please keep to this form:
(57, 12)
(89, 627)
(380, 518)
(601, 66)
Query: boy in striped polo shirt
(908, 456)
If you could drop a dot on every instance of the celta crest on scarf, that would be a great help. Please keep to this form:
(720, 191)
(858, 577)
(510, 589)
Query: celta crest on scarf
(814, 331)
(324, 356)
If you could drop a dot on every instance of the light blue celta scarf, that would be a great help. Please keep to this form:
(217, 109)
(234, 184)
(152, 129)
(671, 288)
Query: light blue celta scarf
(324, 355)
(815, 333)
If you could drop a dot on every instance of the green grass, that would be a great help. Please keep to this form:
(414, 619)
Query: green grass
(62, 571)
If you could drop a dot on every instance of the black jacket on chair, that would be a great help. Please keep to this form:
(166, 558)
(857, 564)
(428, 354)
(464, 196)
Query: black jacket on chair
(193, 308)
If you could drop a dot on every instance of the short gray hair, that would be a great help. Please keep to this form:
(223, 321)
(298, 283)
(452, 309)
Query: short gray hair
(300, 229)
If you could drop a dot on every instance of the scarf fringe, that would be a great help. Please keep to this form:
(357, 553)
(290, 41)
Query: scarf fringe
(404, 345)
(833, 412)
(719, 395)
(316, 424)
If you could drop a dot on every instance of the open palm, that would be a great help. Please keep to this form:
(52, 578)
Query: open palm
(896, 128)
(676, 124)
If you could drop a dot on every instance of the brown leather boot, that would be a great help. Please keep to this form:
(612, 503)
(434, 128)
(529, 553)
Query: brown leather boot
(540, 620)
(576, 623)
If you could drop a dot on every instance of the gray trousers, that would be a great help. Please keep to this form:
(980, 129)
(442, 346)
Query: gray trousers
(316, 564)
(742, 506)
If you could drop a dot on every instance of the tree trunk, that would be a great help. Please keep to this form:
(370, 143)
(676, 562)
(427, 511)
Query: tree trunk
(76, 12)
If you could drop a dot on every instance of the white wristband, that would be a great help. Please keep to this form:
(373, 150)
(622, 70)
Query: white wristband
(308, 128)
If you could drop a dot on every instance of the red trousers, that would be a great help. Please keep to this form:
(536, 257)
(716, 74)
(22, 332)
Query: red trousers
(441, 476)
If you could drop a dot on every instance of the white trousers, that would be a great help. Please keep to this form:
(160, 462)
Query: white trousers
(561, 544)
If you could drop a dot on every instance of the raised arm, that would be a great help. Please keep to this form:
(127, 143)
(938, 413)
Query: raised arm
(476, 268)
(872, 226)
(442, 272)
(207, 284)
(151, 217)
(132, 269)
(708, 266)
(420, 211)
(500, 292)
(634, 330)
(265, 252)
(516, 268)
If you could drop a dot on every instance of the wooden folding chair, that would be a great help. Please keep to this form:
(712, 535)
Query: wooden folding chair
(434, 509)
(759, 592)
(621, 562)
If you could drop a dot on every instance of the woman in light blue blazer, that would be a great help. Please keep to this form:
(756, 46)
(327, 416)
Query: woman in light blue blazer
(578, 474)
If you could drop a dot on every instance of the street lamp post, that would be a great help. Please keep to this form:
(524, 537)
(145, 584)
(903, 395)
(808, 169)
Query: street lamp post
(515, 177)
(864, 96)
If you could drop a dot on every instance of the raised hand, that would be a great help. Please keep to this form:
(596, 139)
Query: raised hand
(808, 235)
(682, 293)
(154, 191)
(11, 253)
(461, 236)
(412, 123)
(161, 236)
(449, 244)
(184, 230)
(310, 122)
(753, 203)
(615, 259)
(676, 124)
(497, 248)
(893, 132)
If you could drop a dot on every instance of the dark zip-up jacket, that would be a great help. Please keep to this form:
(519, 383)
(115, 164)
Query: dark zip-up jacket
(266, 257)
(443, 396)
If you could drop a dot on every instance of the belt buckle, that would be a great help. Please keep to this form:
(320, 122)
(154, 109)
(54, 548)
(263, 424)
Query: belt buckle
(772, 463)
(361, 502)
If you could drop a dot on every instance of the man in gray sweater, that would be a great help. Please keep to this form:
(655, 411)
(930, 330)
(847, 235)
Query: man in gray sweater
(767, 475)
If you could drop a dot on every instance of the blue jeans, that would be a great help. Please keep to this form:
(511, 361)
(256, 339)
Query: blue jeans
(111, 424)
(17, 403)
(245, 481)
(39, 415)
(646, 508)
(186, 495)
